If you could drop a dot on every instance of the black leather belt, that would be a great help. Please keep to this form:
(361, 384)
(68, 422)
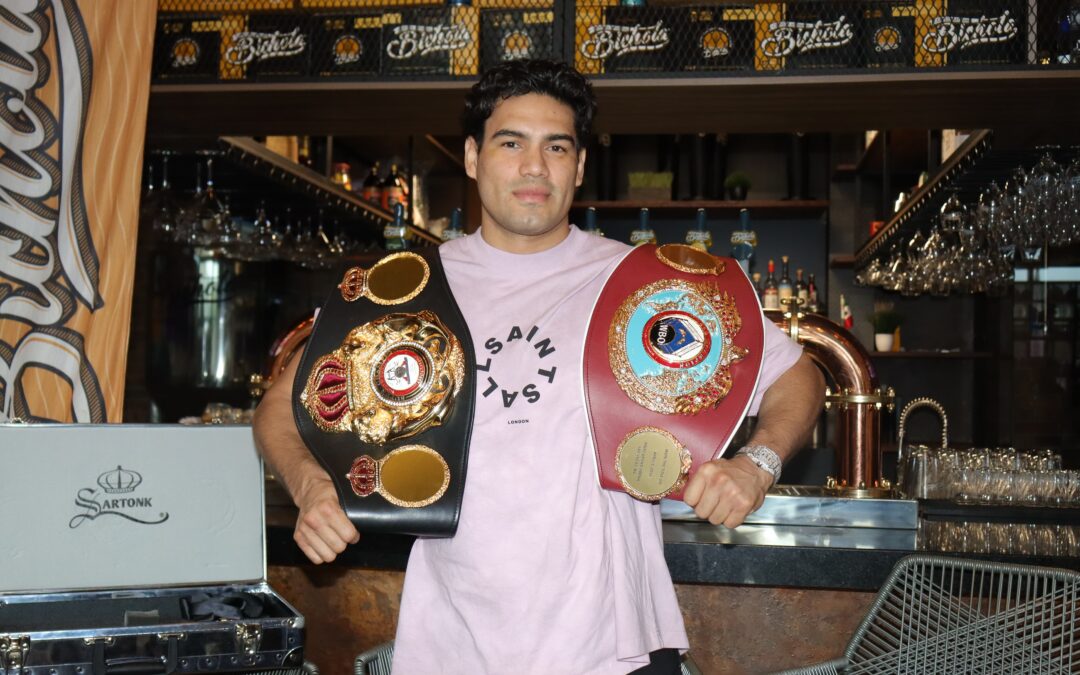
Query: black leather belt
(385, 392)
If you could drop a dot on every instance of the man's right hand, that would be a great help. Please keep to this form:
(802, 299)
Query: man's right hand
(322, 528)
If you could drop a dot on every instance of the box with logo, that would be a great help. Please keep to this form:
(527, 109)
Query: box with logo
(631, 39)
(507, 34)
(888, 35)
(815, 35)
(981, 32)
(187, 47)
(274, 46)
(346, 44)
(718, 38)
(143, 552)
(431, 41)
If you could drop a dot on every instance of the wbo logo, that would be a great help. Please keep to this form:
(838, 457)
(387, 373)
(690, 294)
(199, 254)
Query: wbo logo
(114, 496)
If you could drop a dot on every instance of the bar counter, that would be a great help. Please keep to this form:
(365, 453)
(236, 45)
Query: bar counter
(757, 599)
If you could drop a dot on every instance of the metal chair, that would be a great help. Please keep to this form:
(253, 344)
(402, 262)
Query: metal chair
(377, 661)
(954, 616)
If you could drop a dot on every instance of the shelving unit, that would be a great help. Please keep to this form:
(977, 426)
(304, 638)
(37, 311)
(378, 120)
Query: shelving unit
(930, 354)
(761, 208)
(836, 102)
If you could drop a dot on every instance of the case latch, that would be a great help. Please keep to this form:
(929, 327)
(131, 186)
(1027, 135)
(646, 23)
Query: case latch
(248, 638)
(13, 651)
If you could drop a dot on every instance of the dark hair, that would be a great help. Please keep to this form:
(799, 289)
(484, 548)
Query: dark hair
(558, 80)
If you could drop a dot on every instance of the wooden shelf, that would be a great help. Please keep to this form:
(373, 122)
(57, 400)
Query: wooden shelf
(931, 354)
(907, 153)
(759, 208)
(761, 103)
(841, 262)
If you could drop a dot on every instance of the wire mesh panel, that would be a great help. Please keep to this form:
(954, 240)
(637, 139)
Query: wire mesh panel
(823, 35)
(284, 40)
(944, 615)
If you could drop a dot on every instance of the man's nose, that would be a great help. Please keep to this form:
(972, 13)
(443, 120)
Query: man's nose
(534, 163)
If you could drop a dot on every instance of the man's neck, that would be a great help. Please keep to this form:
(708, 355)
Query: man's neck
(524, 244)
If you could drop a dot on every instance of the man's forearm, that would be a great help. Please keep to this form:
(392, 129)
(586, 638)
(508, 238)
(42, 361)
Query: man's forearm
(790, 408)
(278, 440)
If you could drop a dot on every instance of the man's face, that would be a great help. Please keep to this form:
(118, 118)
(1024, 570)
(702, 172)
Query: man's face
(526, 171)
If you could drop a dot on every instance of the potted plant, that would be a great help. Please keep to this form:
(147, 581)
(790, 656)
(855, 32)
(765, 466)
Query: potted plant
(737, 185)
(885, 323)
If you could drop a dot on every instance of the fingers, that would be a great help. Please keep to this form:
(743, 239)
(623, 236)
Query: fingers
(724, 493)
(323, 530)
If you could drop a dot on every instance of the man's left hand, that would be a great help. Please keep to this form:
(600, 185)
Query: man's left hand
(726, 491)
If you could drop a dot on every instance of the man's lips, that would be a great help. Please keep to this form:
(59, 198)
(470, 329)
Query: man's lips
(531, 194)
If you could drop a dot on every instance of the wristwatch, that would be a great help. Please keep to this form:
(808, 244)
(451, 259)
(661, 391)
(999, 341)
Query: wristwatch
(764, 457)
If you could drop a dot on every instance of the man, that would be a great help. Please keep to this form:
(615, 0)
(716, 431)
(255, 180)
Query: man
(547, 572)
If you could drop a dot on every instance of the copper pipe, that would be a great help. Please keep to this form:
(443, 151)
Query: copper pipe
(858, 398)
(284, 348)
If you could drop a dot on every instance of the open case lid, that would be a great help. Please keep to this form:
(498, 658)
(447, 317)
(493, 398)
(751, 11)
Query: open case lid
(127, 506)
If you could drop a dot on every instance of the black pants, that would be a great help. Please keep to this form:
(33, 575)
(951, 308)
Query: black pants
(661, 662)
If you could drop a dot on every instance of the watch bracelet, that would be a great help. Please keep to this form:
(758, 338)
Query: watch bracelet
(764, 457)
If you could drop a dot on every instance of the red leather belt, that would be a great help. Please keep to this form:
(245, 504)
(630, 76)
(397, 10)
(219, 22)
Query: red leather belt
(672, 358)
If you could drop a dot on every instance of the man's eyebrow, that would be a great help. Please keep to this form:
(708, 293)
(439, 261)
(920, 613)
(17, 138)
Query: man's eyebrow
(510, 133)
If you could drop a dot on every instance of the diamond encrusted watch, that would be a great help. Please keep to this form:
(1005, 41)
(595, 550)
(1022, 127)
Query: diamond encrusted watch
(764, 457)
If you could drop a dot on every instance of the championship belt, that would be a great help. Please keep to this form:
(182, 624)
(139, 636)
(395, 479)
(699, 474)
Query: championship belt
(385, 392)
(672, 358)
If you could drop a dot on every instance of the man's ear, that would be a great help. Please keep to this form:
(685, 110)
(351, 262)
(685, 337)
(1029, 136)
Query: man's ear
(471, 150)
(580, 167)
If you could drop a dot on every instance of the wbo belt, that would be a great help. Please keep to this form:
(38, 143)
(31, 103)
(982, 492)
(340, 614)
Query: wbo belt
(672, 358)
(384, 395)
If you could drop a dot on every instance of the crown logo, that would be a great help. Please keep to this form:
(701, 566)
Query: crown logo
(120, 481)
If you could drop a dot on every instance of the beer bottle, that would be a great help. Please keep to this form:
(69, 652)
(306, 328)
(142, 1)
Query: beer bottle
(395, 190)
(590, 222)
(785, 289)
(698, 237)
(371, 191)
(395, 232)
(802, 292)
(454, 231)
(341, 176)
(644, 233)
(743, 241)
(770, 296)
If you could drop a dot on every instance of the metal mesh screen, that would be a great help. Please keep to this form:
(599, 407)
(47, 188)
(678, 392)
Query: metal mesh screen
(819, 35)
(283, 40)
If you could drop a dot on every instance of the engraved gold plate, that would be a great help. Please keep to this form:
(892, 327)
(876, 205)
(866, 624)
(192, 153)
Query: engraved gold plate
(671, 345)
(397, 278)
(651, 463)
(411, 476)
(391, 378)
(689, 259)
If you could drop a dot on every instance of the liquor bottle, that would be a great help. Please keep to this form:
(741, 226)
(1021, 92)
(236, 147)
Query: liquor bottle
(756, 278)
(590, 222)
(395, 232)
(454, 230)
(644, 233)
(698, 237)
(770, 294)
(395, 190)
(785, 289)
(812, 296)
(371, 190)
(303, 154)
(802, 292)
(743, 241)
(341, 176)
